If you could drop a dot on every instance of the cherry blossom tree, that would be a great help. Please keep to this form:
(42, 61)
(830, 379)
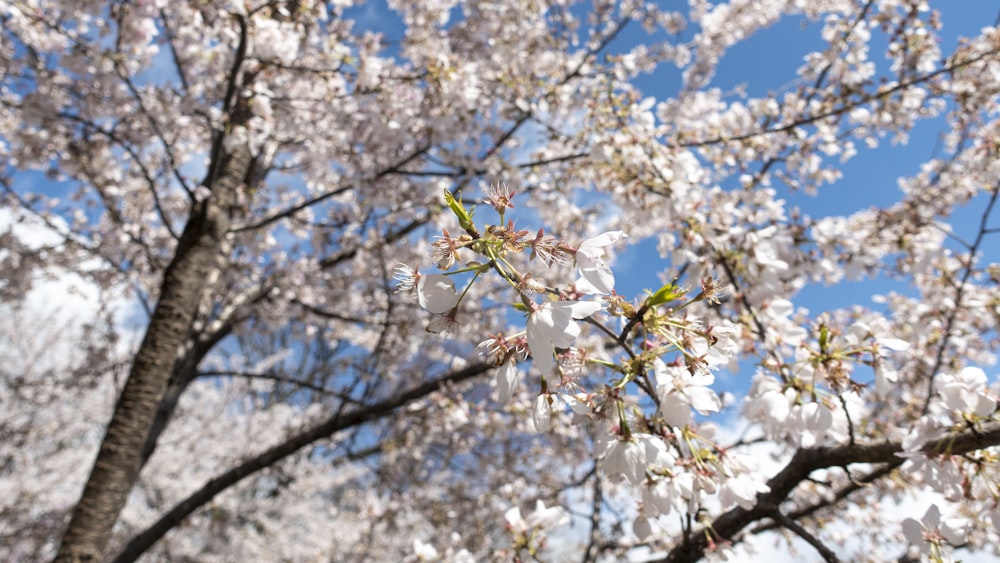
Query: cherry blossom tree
(347, 289)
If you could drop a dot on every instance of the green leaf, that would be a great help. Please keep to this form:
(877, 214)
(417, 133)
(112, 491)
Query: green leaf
(456, 206)
(666, 294)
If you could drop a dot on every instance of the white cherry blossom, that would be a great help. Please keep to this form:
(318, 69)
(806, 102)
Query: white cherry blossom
(679, 391)
(811, 422)
(436, 293)
(529, 532)
(590, 260)
(742, 490)
(547, 517)
(630, 457)
(551, 325)
(256, 167)
(966, 392)
(931, 534)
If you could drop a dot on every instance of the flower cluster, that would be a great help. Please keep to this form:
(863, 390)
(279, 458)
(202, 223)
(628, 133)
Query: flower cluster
(529, 532)
(668, 354)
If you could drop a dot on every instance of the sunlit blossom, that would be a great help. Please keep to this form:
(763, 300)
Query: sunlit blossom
(630, 457)
(590, 260)
(436, 293)
(679, 391)
(551, 325)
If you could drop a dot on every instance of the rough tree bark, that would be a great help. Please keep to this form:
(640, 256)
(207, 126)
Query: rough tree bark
(199, 256)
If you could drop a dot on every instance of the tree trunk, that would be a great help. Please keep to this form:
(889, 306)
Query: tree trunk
(184, 372)
(198, 259)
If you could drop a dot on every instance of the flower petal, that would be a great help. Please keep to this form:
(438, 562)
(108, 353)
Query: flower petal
(436, 293)
(675, 409)
(581, 309)
(703, 399)
(603, 239)
(540, 347)
(506, 381)
(541, 415)
(913, 531)
(601, 277)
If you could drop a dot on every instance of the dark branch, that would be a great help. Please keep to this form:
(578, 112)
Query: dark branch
(807, 460)
(341, 421)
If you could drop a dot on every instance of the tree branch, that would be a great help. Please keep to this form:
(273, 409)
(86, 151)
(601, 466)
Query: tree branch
(807, 460)
(341, 421)
(879, 94)
(797, 529)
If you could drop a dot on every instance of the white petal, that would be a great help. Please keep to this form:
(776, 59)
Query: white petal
(913, 531)
(953, 531)
(553, 324)
(984, 406)
(703, 399)
(551, 517)
(541, 348)
(580, 309)
(816, 417)
(781, 307)
(675, 409)
(656, 451)
(661, 375)
(776, 405)
(584, 287)
(603, 239)
(642, 528)
(506, 381)
(957, 397)
(972, 376)
(932, 517)
(740, 490)
(894, 344)
(626, 458)
(541, 415)
(600, 277)
(424, 551)
(589, 258)
(436, 293)
(513, 518)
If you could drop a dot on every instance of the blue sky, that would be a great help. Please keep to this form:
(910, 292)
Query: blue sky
(767, 61)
